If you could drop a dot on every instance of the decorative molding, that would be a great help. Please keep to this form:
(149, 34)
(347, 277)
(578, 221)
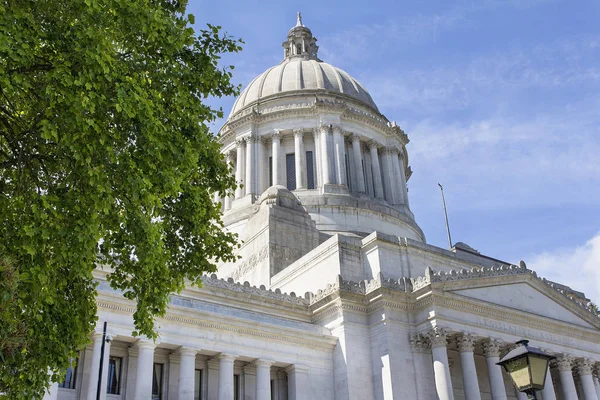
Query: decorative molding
(585, 366)
(466, 343)
(438, 337)
(491, 348)
(564, 362)
(299, 132)
(420, 343)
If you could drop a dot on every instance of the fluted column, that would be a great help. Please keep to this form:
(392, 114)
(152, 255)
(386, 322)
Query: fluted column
(564, 363)
(378, 185)
(263, 379)
(299, 158)
(388, 174)
(441, 368)
(226, 376)
(228, 199)
(491, 351)
(249, 165)
(105, 370)
(402, 189)
(187, 368)
(597, 379)
(93, 381)
(258, 166)
(275, 156)
(317, 157)
(52, 393)
(239, 168)
(324, 129)
(360, 176)
(340, 156)
(466, 345)
(145, 369)
(584, 367)
(548, 391)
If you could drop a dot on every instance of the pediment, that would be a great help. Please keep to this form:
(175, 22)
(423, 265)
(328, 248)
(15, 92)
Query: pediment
(523, 297)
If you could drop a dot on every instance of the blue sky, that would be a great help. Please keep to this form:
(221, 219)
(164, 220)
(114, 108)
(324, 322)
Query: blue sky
(501, 101)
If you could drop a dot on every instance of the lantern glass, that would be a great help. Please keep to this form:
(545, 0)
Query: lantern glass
(538, 367)
(518, 370)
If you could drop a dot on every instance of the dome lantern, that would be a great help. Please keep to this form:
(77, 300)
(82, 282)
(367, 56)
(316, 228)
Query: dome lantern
(300, 42)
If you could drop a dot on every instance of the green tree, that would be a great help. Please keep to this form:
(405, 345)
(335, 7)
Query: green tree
(105, 157)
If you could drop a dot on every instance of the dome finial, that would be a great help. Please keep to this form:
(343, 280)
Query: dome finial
(299, 19)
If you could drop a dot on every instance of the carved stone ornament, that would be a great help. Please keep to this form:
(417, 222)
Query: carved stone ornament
(240, 142)
(298, 132)
(585, 366)
(419, 343)
(276, 134)
(372, 143)
(324, 128)
(564, 362)
(438, 337)
(337, 129)
(491, 348)
(466, 343)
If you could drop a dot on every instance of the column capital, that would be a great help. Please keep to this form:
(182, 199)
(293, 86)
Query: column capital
(97, 336)
(276, 135)
(596, 370)
(373, 144)
(491, 348)
(585, 366)
(186, 351)
(336, 128)
(564, 362)
(240, 142)
(263, 363)
(466, 343)
(354, 137)
(420, 343)
(438, 337)
(297, 368)
(227, 357)
(299, 132)
(324, 128)
(145, 344)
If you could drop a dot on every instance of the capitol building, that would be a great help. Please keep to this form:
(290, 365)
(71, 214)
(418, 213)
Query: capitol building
(336, 294)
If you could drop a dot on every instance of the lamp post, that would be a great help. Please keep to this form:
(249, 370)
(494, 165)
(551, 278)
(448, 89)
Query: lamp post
(527, 367)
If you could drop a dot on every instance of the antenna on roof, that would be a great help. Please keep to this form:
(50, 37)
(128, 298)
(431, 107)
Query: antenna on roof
(446, 215)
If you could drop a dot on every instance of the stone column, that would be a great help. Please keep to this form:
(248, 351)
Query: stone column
(376, 170)
(299, 158)
(402, 189)
(249, 165)
(317, 158)
(298, 386)
(388, 174)
(491, 351)
(584, 367)
(212, 386)
(466, 345)
(340, 156)
(324, 129)
(226, 376)
(360, 176)
(145, 369)
(105, 370)
(239, 168)
(521, 395)
(564, 363)
(263, 379)
(282, 385)
(187, 368)
(228, 199)
(441, 368)
(548, 392)
(259, 165)
(421, 349)
(597, 379)
(93, 381)
(249, 382)
(275, 156)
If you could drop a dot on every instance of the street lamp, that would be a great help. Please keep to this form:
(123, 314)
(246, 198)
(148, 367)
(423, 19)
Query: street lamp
(527, 367)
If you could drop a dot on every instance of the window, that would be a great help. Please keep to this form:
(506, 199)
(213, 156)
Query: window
(198, 384)
(113, 384)
(290, 168)
(157, 378)
(310, 175)
(71, 376)
(270, 171)
(236, 387)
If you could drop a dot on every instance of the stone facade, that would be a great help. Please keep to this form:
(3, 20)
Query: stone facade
(336, 294)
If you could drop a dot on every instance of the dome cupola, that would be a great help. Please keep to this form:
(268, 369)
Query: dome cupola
(311, 128)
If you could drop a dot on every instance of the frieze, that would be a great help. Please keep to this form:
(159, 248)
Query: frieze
(524, 331)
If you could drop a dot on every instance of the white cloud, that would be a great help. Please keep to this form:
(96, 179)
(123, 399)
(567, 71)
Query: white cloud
(577, 267)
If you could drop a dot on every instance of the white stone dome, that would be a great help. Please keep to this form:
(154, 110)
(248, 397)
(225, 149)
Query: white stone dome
(298, 74)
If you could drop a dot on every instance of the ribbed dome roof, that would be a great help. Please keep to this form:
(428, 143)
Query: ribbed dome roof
(300, 74)
(301, 70)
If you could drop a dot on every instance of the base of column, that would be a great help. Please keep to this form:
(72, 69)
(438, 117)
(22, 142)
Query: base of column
(330, 188)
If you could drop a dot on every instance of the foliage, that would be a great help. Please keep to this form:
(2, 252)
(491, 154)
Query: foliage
(105, 155)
